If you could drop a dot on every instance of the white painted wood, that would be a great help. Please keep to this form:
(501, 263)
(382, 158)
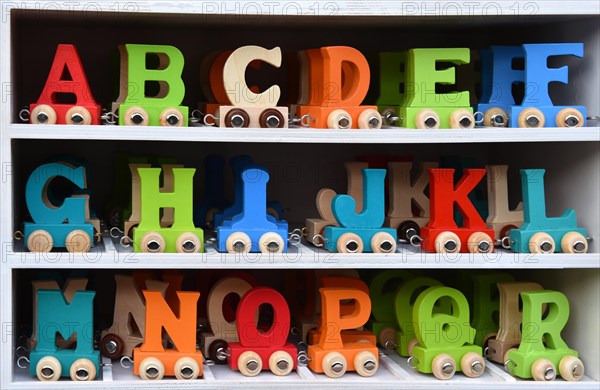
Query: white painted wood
(390, 135)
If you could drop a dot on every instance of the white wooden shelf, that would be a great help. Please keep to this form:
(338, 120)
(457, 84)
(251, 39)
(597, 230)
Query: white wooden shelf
(393, 373)
(110, 254)
(390, 135)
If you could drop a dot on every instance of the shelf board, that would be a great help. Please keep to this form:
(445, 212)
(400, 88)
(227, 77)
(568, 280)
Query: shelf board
(390, 135)
(110, 254)
(393, 372)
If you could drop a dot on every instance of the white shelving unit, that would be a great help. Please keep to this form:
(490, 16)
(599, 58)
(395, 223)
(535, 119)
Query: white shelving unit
(30, 31)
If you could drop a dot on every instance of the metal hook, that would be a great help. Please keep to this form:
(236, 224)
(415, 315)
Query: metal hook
(478, 121)
(410, 361)
(216, 119)
(209, 362)
(22, 359)
(125, 244)
(109, 118)
(18, 235)
(593, 118)
(117, 230)
(126, 359)
(306, 119)
(505, 242)
(415, 240)
(295, 239)
(318, 244)
(25, 115)
(304, 231)
(196, 116)
(506, 364)
(21, 351)
(302, 358)
(390, 343)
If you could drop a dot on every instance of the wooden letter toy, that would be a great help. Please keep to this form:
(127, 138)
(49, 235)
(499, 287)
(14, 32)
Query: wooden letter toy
(383, 322)
(339, 79)
(498, 78)
(135, 105)
(362, 231)
(422, 107)
(257, 347)
(316, 226)
(182, 236)
(509, 331)
(56, 316)
(152, 361)
(542, 349)
(247, 108)
(129, 318)
(441, 234)
(213, 199)
(486, 305)
(404, 301)
(334, 354)
(66, 78)
(540, 234)
(501, 218)
(65, 226)
(253, 230)
(214, 343)
(445, 341)
(404, 194)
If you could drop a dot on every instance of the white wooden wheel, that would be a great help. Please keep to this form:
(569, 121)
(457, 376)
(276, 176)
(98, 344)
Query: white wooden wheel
(387, 338)
(152, 242)
(480, 242)
(366, 363)
(271, 242)
(171, 117)
(571, 368)
(186, 368)
(188, 242)
(48, 369)
(43, 115)
(541, 243)
(78, 241)
(350, 243)
(369, 119)
(574, 242)
(281, 363)
(531, 117)
(495, 117)
(472, 365)
(136, 116)
(383, 242)
(447, 242)
(238, 242)
(151, 368)
(250, 363)
(40, 241)
(462, 119)
(78, 115)
(411, 345)
(443, 366)
(83, 370)
(334, 365)
(339, 119)
(569, 117)
(427, 119)
(543, 370)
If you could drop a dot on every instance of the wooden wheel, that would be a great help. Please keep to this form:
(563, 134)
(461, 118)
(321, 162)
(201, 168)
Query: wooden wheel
(427, 119)
(186, 368)
(271, 242)
(43, 115)
(487, 338)
(543, 370)
(281, 363)
(383, 242)
(505, 231)
(472, 365)
(238, 242)
(408, 229)
(443, 366)
(349, 243)
(151, 369)
(172, 117)
(366, 363)
(111, 346)
(83, 370)
(216, 351)
(411, 345)
(249, 363)
(273, 212)
(48, 369)
(334, 365)
(369, 119)
(462, 119)
(188, 243)
(78, 241)
(339, 119)
(571, 368)
(387, 114)
(237, 117)
(495, 117)
(271, 118)
(40, 241)
(531, 117)
(569, 117)
(541, 243)
(480, 242)
(78, 115)
(152, 242)
(447, 242)
(136, 116)
(387, 338)
(574, 242)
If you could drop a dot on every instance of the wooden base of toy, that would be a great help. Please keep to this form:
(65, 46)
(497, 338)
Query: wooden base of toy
(436, 117)
(434, 240)
(532, 241)
(44, 237)
(65, 114)
(170, 362)
(534, 365)
(431, 361)
(168, 240)
(250, 361)
(256, 117)
(358, 117)
(547, 116)
(497, 350)
(133, 115)
(351, 358)
(254, 240)
(64, 363)
(337, 239)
